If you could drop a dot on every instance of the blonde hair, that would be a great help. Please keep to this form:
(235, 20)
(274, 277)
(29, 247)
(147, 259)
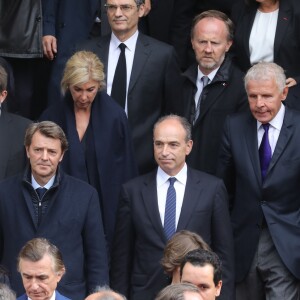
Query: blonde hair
(82, 67)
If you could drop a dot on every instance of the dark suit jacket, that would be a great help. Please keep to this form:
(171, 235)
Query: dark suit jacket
(113, 151)
(70, 22)
(277, 198)
(224, 95)
(139, 238)
(154, 89)
(12, 150)
(58, 296)
(287, 38)
(72, 222)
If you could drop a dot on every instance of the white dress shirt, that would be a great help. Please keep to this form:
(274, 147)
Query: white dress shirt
(113, 57)
(274, 129)
(162, 184)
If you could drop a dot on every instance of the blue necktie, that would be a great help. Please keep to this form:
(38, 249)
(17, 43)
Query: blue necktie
(265, 152)
(41, 191)
(170, 211)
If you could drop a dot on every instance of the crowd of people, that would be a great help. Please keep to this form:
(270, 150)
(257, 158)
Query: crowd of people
(149, 150)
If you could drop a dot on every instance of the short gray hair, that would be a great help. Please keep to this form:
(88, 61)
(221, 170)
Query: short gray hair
(266, 71)
(6, 293)
(107, 293)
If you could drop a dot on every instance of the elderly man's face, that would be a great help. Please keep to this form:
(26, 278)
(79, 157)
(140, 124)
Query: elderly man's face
(39, 278)
(210, 43)
(203, 278)
(265, 99)
(44, 155)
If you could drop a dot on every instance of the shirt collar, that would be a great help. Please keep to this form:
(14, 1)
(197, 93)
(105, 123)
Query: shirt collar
(211, 75)
(163, 177)
(35, 185)
(130, 43)
(277, 121)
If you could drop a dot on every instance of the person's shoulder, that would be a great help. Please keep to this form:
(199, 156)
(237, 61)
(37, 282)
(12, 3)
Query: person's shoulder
(60, 296)
(7, 183)
(146, 39)
(93, 43)
(203, 176)
(141, 180)
(16, 119)
(23, 297)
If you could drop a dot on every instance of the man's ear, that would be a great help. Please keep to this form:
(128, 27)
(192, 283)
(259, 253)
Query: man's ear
(3, 96)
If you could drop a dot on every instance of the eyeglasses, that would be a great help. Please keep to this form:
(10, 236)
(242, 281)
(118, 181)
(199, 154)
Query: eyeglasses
(124, 7)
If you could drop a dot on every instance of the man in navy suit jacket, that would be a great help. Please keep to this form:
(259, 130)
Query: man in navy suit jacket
(262, 178)
(45, 202)
(41, 266)
(201, 207)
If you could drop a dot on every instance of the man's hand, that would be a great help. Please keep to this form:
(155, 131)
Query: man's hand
(290, 82)
(49, 46)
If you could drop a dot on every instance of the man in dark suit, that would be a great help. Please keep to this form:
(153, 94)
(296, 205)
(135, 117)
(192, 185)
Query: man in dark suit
(153, 82)
(260, 164)
(206, 107)
(12, 132)
(45, 202)
(41, 266)
(145, 215)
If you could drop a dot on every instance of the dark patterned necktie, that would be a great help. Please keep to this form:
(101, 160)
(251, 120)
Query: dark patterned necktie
(265, 152)
(41, 191)
(170, 211)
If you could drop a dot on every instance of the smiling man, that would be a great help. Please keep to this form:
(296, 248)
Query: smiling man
(154, 206)
(260, 165)
(46, 202)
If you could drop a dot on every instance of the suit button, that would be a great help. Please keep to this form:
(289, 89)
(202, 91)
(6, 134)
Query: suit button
(38, 19)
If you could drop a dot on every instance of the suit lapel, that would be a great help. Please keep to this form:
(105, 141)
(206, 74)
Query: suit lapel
(149, 194)
(141, 55)
(248, 21)
(284, 19)
(283, 139)
(252, 146)
(192, 196)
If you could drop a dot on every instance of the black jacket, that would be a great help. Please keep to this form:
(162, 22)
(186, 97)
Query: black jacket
(224, 95)
(21, 28)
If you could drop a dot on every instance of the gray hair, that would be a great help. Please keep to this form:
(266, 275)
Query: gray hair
(183, 121)
(107, 293)
(266, 71)
(6, 293)
(35, 249)
(176, 291)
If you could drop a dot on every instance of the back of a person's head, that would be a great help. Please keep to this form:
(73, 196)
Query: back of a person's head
(105, 293)
(6, 293)
(177, 291)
